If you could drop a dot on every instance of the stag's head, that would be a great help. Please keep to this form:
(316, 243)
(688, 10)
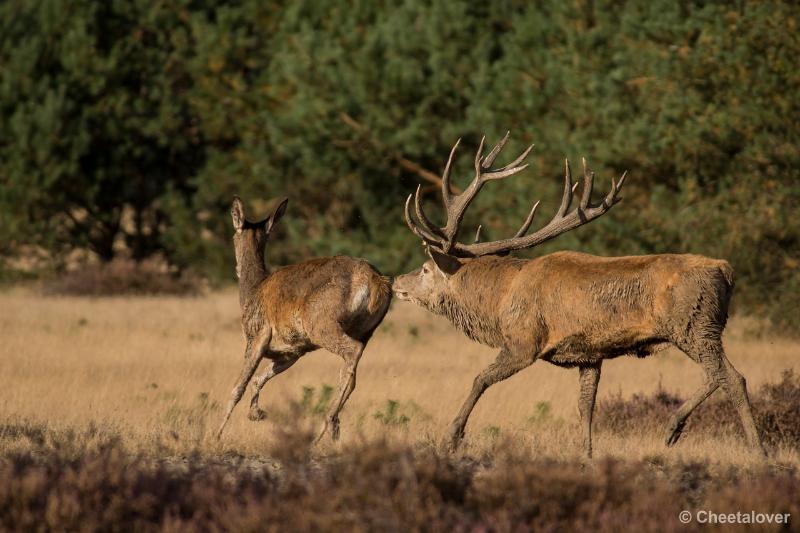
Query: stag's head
(427, 285)
(250, 238)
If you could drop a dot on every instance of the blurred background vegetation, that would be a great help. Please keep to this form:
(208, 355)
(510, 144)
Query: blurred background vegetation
(127, 126)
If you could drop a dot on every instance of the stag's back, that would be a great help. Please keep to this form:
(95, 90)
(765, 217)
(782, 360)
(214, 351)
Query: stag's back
(570, 301)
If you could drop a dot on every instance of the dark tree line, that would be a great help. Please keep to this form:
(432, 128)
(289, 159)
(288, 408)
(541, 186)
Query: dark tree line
(136, 122)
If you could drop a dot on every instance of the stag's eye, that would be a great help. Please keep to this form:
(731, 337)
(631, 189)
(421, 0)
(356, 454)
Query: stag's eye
(425, 270)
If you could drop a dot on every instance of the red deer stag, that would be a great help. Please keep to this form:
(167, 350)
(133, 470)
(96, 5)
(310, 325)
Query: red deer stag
(329, 302)
(569, 308)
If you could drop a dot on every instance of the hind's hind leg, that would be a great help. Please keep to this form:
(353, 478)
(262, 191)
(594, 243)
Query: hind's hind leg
(276, 367)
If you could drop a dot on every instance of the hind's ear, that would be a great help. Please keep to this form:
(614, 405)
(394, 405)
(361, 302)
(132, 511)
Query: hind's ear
(237, 213)
(277, 214)
(447, 264)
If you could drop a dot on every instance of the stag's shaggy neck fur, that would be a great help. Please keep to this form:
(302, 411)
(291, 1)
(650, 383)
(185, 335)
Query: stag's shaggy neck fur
(474, 296)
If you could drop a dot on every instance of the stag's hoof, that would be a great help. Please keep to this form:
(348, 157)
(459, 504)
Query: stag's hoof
(257, 414)
(452, 442)
(673, 434)
(334, 428)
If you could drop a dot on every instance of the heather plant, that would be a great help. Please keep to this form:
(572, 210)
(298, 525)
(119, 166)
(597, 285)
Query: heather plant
(64, 482)
(776, 408)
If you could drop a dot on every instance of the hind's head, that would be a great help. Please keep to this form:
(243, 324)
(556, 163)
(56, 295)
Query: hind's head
(250, 238)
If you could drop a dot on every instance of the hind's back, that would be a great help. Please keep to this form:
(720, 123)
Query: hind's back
(312, 294)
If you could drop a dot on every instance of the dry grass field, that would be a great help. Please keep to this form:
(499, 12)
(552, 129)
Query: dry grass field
(157, 370)
(108, 409)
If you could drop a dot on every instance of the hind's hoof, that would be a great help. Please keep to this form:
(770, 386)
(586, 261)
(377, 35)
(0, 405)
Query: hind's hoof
(257, 414)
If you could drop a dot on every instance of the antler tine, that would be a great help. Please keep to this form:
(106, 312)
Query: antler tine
(510, 169)
(569, 188)
(500, 174)
(419, 232)
(489, 159)
(478, 234)
(447, 196)
(621, 180)
(427, 224)
(527, 224)
(588, 183)
(407, 216)
(612, 196)
(518, 160)
(479, 156)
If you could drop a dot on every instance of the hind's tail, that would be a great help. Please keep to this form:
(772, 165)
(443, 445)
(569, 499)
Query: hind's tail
(380, 292)
(727, 272)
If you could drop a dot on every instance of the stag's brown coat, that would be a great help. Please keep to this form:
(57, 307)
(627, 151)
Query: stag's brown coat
(573, 309)
(329, 302)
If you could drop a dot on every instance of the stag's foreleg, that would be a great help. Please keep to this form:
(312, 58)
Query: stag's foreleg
(350, 351)
(252, 356)
(506, 364)
(589, 378)
(275, 368)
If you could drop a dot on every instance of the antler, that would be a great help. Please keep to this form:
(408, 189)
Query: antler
(445, 238)
(564, 220)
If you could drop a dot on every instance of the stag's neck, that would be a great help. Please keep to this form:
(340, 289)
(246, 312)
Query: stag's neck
(252, 272)
(475, 313)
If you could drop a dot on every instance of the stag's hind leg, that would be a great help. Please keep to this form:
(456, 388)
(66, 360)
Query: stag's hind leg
(736, 387)
(719, 373)
(678, 420)
(589, 378)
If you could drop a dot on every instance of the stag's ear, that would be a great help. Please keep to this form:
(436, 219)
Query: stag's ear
(277, 214)
(447, 264)
(237, 213)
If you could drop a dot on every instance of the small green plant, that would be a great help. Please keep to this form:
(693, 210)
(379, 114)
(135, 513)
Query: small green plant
(542, 414)
(314, 404)
(391, 415)
(492, 431)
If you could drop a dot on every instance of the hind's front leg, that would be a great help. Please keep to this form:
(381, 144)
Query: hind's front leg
(252, 357)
